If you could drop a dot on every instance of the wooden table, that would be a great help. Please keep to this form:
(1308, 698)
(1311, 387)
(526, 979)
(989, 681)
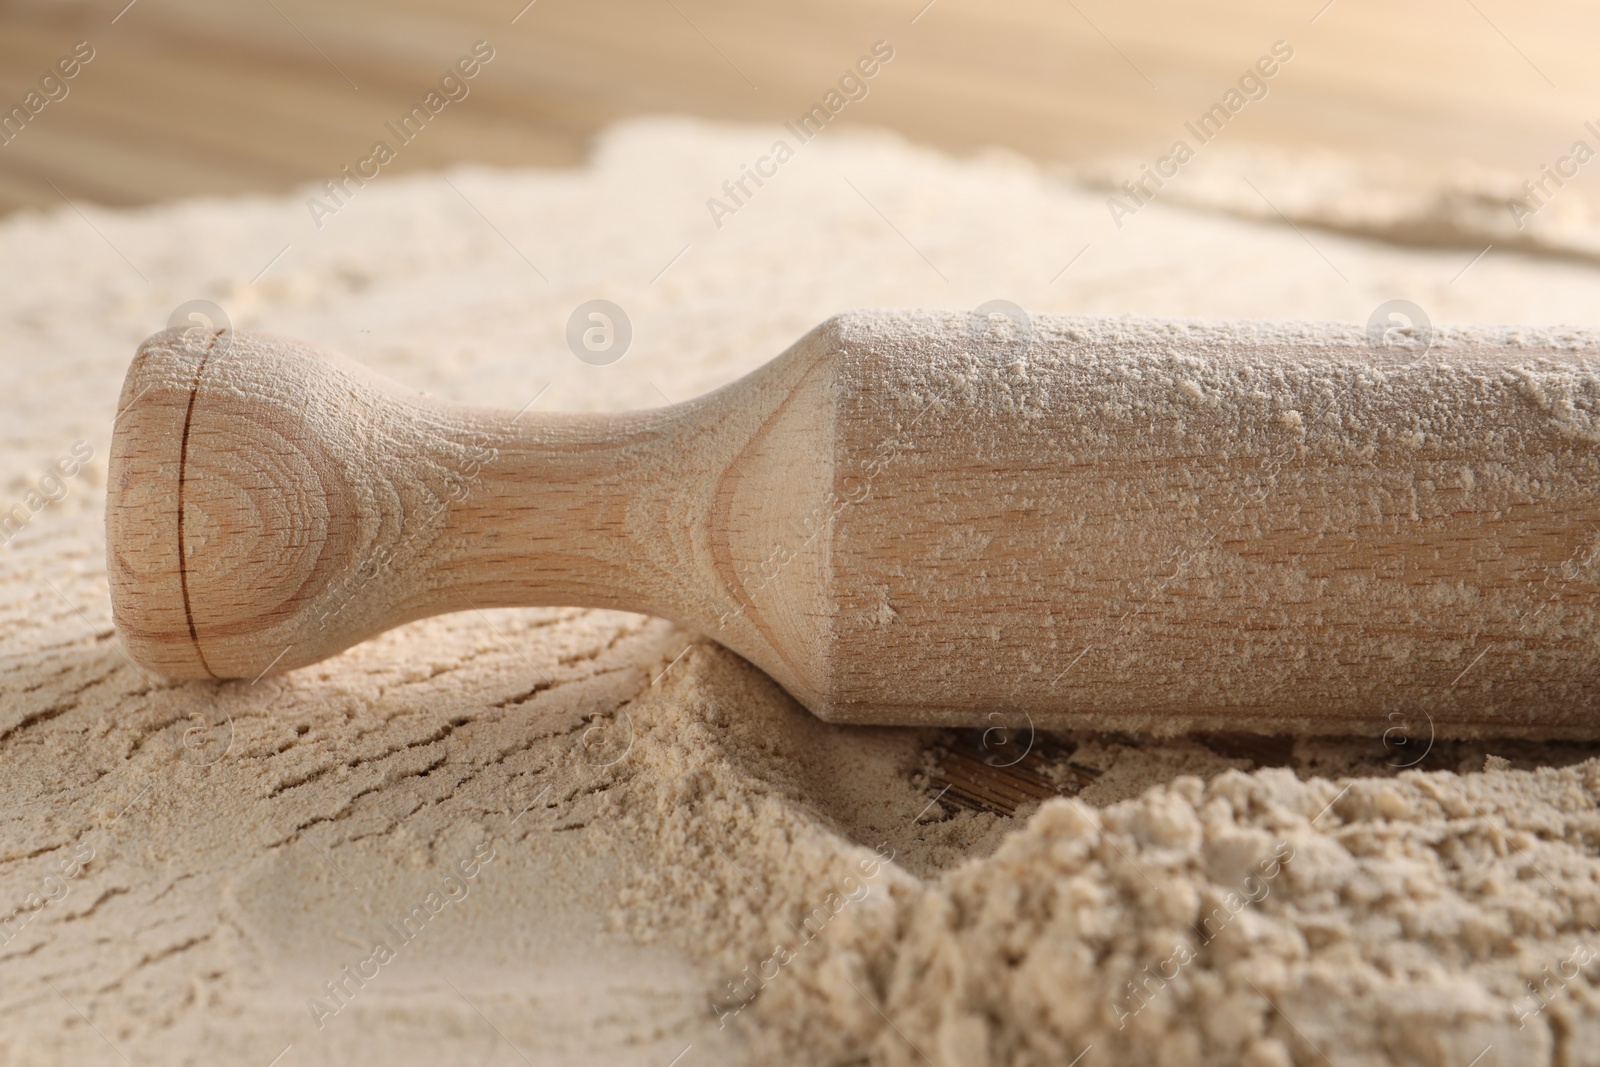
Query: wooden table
(186, 98)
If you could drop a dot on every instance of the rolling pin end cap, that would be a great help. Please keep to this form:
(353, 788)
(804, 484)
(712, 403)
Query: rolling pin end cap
(221, 509)
(147, 595)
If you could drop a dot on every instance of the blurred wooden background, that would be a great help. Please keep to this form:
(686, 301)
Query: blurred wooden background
(187, 97)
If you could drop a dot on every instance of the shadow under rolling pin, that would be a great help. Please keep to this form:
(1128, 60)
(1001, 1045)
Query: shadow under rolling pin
(1122, 524)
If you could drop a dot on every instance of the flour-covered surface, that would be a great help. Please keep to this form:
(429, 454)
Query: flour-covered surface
(1461, 205)
(556, 835)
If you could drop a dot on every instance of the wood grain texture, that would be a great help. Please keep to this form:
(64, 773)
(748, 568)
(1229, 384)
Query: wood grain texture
(1165, 526)
(1118, 524)
(317, 504)
(188, 98)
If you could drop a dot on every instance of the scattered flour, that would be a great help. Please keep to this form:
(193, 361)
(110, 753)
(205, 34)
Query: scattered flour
(685, 864)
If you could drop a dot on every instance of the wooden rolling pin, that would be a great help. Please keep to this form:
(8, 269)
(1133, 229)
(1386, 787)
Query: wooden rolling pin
(1115, 524)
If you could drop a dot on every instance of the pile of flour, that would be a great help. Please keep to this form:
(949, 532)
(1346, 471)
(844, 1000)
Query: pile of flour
(672, 862)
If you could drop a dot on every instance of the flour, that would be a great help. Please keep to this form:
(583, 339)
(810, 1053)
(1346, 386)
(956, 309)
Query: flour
(665, 822)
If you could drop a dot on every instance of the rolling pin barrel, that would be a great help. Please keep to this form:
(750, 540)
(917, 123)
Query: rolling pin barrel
(1111, 524)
